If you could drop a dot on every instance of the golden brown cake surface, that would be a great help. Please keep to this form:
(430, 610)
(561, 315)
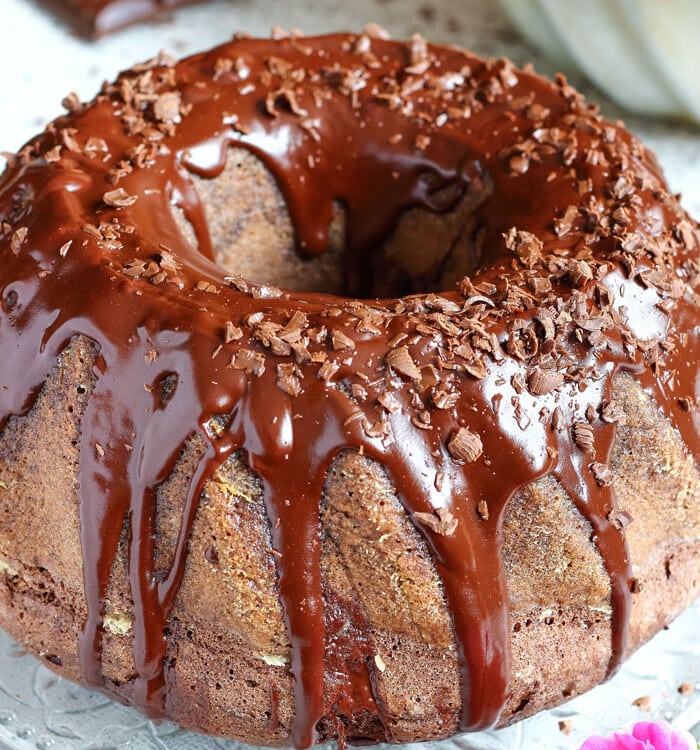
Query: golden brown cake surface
(248, 484)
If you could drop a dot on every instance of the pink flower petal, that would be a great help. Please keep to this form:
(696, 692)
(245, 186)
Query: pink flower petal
(645, 735)
(596, 743)
(662, 736)
(615, 742)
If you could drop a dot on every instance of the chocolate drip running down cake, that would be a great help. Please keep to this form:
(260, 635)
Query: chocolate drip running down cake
(348, 390)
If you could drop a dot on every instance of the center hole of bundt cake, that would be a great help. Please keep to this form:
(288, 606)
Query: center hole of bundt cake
(252, 236)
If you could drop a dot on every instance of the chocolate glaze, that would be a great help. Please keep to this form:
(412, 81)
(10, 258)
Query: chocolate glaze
(472, 393)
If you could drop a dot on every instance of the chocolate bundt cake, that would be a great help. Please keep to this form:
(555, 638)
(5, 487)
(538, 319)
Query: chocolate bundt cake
(348, 390)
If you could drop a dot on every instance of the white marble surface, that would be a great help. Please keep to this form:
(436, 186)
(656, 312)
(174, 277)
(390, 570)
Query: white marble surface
(40, 61)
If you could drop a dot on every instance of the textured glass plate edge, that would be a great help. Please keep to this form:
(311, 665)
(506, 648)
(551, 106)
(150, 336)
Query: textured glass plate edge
(40, 711)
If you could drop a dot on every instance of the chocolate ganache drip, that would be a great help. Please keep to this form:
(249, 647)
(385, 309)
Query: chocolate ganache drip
(585, 267)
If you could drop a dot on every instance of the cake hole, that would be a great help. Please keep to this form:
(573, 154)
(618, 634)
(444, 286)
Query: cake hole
(166, 387)
(10, 300)
(211, 555)
(251, 235)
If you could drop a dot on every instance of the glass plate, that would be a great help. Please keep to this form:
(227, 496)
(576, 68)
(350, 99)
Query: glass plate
(40, 711)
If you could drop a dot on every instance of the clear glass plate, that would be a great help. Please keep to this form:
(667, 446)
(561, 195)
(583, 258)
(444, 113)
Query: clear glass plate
(40, 711)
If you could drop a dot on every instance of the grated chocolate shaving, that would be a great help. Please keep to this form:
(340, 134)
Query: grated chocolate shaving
(441, 521)
(565, 726)
(465, 445)
(341, 341)
(619, 518)
(612, 412)
(288, 379)
(19, 237)
(232, 332)
(584, 437)
(602, 474)
(251, 362)
(166, 107)
(400, 360)
(644, 703)
(525, 246)
(119, 198)
(541, 382)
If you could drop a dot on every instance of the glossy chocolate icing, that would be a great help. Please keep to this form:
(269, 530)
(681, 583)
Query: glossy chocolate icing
(585, 267)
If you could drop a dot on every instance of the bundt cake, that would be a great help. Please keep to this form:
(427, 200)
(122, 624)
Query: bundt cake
(348, 390)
